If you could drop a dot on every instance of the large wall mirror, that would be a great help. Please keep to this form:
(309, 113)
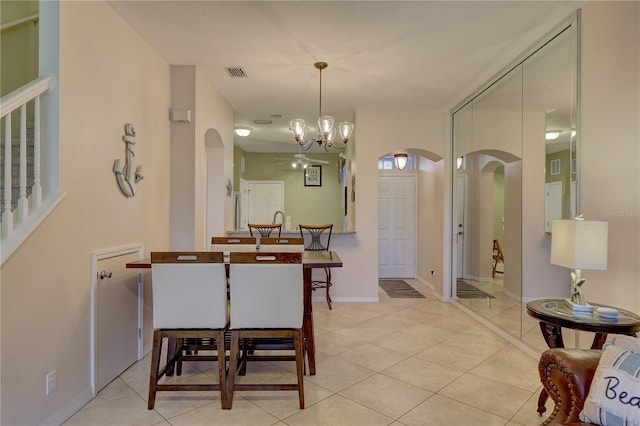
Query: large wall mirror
(516, 171)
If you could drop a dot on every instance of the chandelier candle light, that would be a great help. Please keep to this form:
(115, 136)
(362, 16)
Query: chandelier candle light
(579, 244)
(326, 131)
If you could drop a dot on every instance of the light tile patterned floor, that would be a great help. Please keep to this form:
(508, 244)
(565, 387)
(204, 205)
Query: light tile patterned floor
(396, 362)
(508, 314)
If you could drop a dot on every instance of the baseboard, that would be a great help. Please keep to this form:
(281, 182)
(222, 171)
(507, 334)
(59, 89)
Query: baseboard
(426, 283)
(68, 410)
(348, 299)
(512, 295)
(431, 287)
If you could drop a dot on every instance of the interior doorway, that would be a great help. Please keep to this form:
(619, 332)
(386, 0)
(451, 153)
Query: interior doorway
(459, 221)
(397, 226)
(264, 198)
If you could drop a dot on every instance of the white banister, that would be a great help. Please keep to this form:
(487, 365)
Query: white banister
(18, 180)
(7, 215)
(31, 18)
(24, 94)
(23, 207)
(36, 189)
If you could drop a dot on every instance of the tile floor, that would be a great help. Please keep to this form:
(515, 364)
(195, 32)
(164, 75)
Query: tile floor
(396, 362)
(511, 316)
(506, 312)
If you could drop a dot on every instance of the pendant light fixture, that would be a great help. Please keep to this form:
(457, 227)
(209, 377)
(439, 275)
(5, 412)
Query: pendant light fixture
(401, 160)
(242, 131)
(326, 132)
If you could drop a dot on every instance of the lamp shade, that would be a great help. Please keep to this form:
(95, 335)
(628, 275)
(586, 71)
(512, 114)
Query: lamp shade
(579, 244)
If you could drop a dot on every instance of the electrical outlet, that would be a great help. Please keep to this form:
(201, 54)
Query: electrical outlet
(51, 382)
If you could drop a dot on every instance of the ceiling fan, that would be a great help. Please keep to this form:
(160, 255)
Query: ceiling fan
(300, 161)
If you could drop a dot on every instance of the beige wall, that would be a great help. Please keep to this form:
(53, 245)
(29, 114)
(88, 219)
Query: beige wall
(379, 133)
(201, 161)
(610, 145)
(430, 195)
(214, 140)
(108, 76)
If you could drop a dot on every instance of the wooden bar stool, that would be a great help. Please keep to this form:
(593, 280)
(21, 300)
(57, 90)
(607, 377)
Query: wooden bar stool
(265, 230)
(318, 238)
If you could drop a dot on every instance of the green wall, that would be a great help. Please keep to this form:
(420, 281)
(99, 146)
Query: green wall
(564, 177)
(18, 46)
(305, 204)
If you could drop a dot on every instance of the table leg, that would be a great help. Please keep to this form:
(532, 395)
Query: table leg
(307, 322)
(553, 336)
(598, 340)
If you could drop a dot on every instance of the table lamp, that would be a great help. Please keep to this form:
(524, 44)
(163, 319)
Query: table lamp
(579, 244)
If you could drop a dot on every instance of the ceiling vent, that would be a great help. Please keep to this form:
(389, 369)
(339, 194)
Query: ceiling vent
(236, 72)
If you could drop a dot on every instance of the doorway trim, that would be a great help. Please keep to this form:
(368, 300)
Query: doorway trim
(95, 257)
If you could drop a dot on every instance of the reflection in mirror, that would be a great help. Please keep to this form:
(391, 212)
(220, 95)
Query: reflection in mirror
(267, 183)
(488, 194)
(551, 96)
(501, 133)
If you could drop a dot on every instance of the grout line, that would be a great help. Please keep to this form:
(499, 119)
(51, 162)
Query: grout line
(499, 331)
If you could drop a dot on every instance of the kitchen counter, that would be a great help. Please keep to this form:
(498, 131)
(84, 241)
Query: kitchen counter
(287, 233)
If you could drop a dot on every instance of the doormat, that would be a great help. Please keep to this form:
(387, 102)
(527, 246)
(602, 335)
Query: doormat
(468, 291)
(399, 289)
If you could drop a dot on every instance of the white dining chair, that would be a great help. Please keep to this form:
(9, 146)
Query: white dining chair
(190, 310)
(266, 302)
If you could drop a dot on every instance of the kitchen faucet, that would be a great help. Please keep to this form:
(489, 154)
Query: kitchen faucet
(276, 215)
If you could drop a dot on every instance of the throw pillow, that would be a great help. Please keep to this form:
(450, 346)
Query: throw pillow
(614, 396)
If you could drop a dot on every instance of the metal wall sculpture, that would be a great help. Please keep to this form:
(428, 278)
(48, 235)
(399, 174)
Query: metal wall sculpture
(123, 177)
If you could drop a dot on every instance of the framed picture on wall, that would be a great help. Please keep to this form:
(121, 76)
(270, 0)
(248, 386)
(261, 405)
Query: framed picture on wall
(313, 176)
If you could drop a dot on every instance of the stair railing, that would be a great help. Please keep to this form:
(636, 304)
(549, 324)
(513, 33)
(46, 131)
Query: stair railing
(13, 102)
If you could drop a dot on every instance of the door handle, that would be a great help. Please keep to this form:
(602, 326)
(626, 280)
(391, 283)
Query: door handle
(104, 274)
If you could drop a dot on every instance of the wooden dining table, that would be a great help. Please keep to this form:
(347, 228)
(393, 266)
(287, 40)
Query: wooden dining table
(310, 261)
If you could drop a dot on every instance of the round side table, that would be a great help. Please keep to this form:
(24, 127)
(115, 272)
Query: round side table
(554, 314)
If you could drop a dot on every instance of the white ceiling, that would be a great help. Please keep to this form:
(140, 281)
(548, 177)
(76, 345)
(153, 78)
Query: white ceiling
(381, 54)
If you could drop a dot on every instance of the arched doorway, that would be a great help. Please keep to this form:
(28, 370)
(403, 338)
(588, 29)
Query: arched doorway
(214, 190)
(424, 182)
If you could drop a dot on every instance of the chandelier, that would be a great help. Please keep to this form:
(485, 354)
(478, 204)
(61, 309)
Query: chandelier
(326, 134)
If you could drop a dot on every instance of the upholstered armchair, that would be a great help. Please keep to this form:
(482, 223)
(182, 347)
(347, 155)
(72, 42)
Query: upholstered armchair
(566, 375)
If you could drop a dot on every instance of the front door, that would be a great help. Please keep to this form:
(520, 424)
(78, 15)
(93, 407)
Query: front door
(397, 227)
